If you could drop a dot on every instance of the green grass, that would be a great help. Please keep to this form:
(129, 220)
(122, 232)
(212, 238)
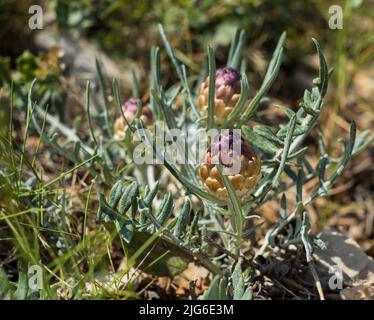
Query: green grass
(39, 219)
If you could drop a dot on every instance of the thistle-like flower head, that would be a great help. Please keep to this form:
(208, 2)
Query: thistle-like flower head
(227, 93)
(130, 109)
(234, 153)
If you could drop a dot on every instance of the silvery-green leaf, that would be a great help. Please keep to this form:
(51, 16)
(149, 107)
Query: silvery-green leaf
(323, 71)
(297, 132)
(115, 194)
(259, 141)
(22, 285)
(212, 81)
(125, 229)
(290, 113)
(212, 292)
(222, 288)
(238, 282)
(128, 197)
(248, 294)
(267, 133)
(183, 217)
(149, 196)
(165, 209)
(290, 173)
(319, 243)
(271, 73)
(286, 148)
(5, 286)
(362, 142)
(283, 207)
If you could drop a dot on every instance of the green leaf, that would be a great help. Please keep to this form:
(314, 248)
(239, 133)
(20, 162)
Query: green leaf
(103, 89)
(117, 99)
(155, 78)
(240, 105)
(305, 227)
(346, 155)
(236, 53)
(270, 76)
(181, 70)
(283, 207)
(297, 153)
(248, 294)
(171, 123)
(128, 197)
(319, 243)
(290, 173)
(106, 211)
(123, 225)
(222, 289)
(299, 181)
(321, 168)
(300, 130)
(115, 194)
(212, 81)
(322, 146)
(165, 209)
(251, 230)
(259, 141)
(5, 286)
(290, 113)
(135, 85)
(323, 71)
(166, 110)
(234, 201)
(149, 196)
(88, 111)
(238, 282)
(286, 148)
(362, 142)
(193, 228)
(146, 212)
(23, 285)
(183, 217)
(212, 292)
(125, 229)
(311, 102)
(268, 134)
(233, 46)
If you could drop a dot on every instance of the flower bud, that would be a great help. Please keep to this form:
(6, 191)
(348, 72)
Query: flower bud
(235, 155)
(227, 93)
(130, 108)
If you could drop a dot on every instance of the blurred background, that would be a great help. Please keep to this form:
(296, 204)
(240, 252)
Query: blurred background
(121, 33)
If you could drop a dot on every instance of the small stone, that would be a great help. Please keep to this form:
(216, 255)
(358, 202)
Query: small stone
(346, 255)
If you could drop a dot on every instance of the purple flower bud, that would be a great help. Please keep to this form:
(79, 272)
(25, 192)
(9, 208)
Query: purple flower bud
(131, 106)
(228, 77)
(227, 93)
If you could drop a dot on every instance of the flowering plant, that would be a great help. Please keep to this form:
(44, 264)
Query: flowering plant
(197, 212)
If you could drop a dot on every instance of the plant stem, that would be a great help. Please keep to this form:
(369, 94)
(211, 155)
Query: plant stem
(316, 280)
